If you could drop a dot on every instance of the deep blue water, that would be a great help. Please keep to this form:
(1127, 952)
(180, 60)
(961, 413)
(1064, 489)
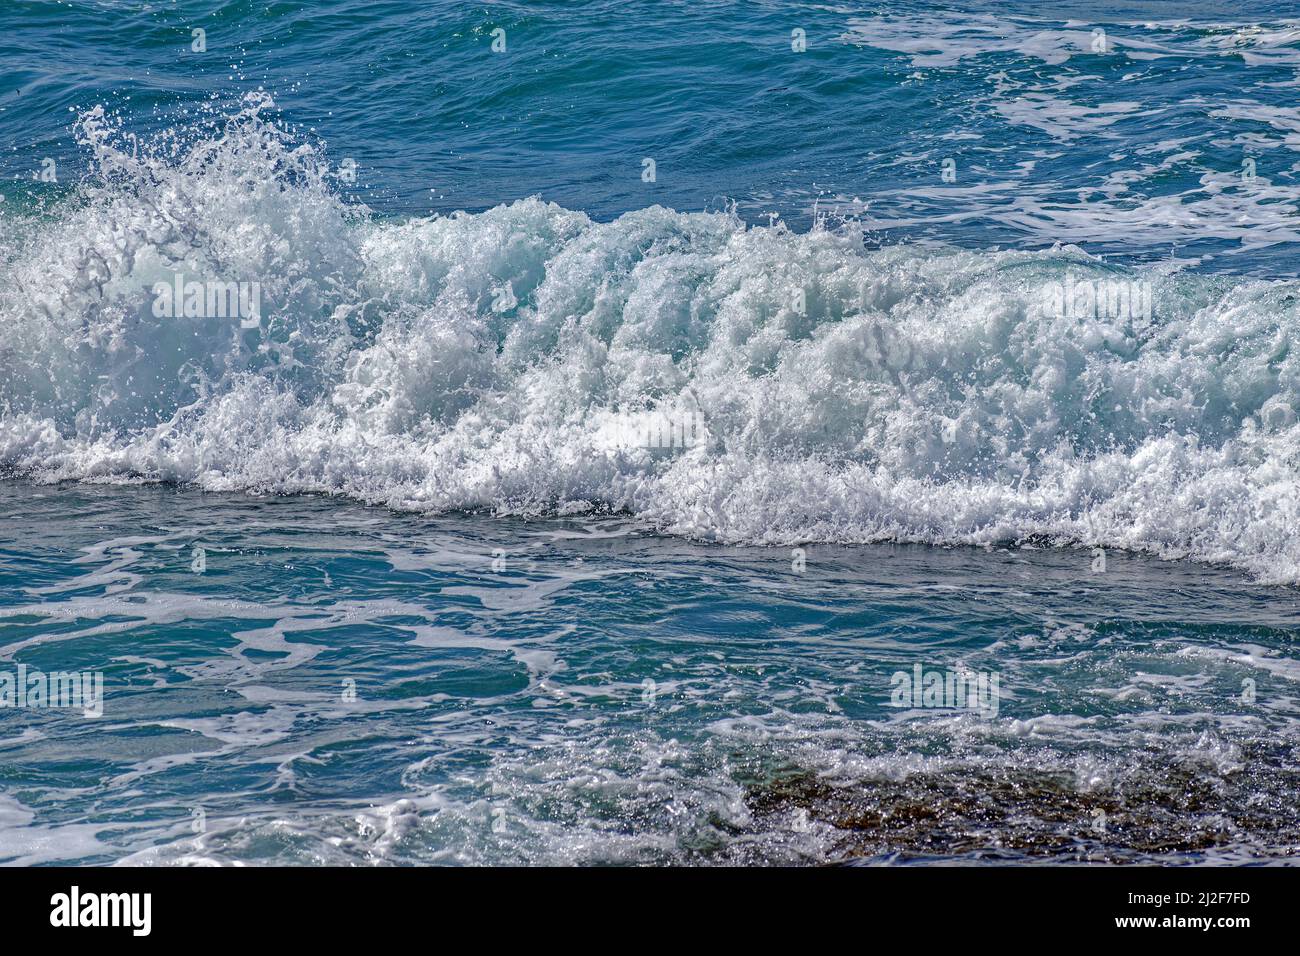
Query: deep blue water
(549, 511)
(1139, 150)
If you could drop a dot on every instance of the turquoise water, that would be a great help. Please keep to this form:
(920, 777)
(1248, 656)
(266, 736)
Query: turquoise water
(608, 431)
(615, 696)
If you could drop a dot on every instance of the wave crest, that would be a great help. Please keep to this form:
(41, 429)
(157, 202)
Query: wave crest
(508, 360)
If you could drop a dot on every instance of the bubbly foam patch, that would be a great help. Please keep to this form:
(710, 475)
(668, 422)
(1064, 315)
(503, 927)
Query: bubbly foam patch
(734, 383)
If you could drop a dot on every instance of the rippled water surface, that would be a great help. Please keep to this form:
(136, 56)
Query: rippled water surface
(579, 691)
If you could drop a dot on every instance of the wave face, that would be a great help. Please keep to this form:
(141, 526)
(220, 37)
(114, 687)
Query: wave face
(714, 379)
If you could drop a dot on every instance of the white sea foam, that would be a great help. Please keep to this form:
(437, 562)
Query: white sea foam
(946, 39)
(842, 393)
(1059, 79)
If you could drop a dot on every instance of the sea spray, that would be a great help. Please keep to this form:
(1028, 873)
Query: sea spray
(836, 392)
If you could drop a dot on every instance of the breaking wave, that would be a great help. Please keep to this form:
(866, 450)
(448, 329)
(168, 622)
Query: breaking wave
(815, 388)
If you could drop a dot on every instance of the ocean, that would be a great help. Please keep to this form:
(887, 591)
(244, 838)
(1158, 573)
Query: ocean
(649, 433)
